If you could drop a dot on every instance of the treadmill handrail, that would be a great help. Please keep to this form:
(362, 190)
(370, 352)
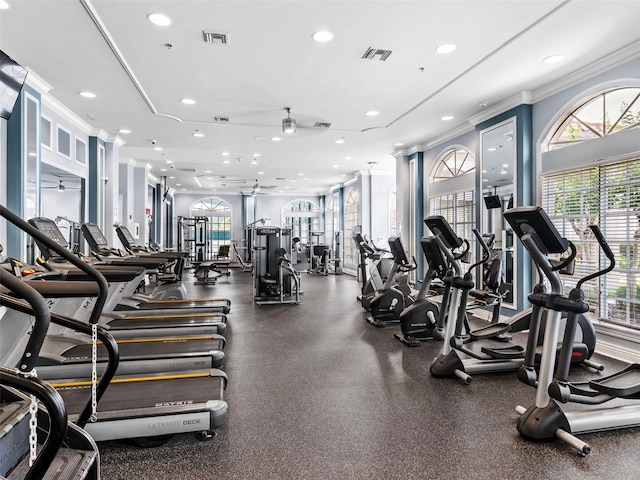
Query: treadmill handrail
(105, 337)
(63, 252)
(42, 316)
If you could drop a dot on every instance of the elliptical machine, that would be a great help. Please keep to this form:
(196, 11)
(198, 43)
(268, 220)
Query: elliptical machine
(457, 358)
(545, 420)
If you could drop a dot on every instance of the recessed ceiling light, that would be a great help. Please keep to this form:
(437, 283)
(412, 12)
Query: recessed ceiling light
(254, 162)
(169, 162)
(163, 169)
(198, 134)
(124, 130)
(399, 144)
(260, 173)
(339, 140)
(207, 171)
(275, 139)
(322, 36)
(347, 158)
(225, 154)
(4, 5)
(372, 113)
(183, 189)
(446, 48)
(157, 149)
(256, 155)
(343, 175)
(306, 179)
(446, 118)
(159, 19)
(87, 94)
(554, 59)
(503, 172)
(226, 161)
(336, 166)
(188, 101)
(258, 137)
(505, 165)
(172, 178)
(293, 180)
(301, 174)
(491, 149)
(485, 179)
(178, 184)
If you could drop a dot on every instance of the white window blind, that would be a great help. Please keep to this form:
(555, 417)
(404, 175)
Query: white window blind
(608, 196)
(459, 209)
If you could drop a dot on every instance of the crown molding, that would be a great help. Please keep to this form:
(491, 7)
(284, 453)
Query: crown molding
(616, 59)
(64, 111)
(525, 97)
(36, 82)
(461, 130)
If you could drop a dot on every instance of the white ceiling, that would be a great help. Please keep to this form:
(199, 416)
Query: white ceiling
(271, 62)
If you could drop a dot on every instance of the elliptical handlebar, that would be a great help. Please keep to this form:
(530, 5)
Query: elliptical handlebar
(608, 253)
(465, 250)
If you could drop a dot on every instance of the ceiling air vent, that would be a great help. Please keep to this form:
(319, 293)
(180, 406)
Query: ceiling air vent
(187, 170)
(376, 53)
(322, 125)
(221, 119)
(217, 38)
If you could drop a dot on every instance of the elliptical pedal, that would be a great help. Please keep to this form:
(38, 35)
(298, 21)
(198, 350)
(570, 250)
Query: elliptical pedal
(408, 340)
(624, 384)
(507, 353)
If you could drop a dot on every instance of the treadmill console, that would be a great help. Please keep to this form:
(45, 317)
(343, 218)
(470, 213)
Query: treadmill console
(126, 234)
(93, 234)
(439, 226)
(51, 230)
(527, 220)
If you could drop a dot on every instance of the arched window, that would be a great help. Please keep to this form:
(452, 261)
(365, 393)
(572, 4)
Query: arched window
(350, 221)
(393, 226)
(216, 220)
(302, 217)
(454, 163)
(601, 191)
(598, 116)
(451, 199)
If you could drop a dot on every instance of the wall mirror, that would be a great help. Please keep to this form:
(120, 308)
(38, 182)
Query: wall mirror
(498, 161)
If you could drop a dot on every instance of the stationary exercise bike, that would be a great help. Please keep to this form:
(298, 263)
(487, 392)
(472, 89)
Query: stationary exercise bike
(422, 320)
(389, 302)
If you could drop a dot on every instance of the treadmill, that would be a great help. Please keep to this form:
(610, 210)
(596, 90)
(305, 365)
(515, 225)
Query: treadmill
(122, 281)
(67, 353)
(98, 243)
(133, 406)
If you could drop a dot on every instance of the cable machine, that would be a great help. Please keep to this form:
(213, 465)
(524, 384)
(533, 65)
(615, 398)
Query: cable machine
(193, 237)
(274, 279)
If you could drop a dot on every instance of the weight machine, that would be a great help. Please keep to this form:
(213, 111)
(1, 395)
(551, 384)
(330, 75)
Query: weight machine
(274, 278)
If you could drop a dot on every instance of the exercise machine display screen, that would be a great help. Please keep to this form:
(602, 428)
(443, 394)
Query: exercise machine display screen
(398, 251)
(51, 230)
(94, 236)
(439, 226)
(526, 220)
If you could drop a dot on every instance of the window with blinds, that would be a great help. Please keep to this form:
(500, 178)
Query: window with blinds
(609, 196)
(459, 209)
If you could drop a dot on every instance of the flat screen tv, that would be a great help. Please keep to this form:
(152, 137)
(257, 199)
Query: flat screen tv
(12, 77)
(492, 201)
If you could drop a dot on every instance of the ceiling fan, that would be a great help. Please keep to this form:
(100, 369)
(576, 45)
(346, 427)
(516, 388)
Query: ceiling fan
(60, 187)
(257, 189)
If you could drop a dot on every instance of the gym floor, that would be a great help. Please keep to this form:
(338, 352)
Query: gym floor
(315, 392)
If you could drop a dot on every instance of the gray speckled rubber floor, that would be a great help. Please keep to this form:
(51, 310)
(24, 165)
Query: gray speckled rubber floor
(315, 392)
